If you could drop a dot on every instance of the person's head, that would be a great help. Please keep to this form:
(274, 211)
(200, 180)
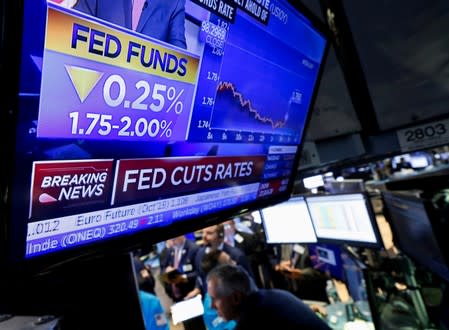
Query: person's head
(228, 286)
(213, 236)
(169, 243)
(215, 258)
(230, 225)
(178, 241)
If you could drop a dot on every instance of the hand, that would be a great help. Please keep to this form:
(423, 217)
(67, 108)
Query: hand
(293, 273)
(319, 309)
(192, 294)
(285, 263)
(169, 269)
(144, 273)
(282, 266)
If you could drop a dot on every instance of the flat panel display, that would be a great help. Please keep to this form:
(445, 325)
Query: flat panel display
(197, 111)
(413, 232)
(344, 219)
(288, 222)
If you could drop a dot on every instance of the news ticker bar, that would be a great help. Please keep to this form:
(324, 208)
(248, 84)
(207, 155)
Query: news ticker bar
(77, 229)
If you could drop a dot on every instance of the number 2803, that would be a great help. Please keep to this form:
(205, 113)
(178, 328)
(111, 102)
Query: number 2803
(425, 132)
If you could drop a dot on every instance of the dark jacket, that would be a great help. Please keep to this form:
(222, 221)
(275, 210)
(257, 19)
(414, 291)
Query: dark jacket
(186, 266)
(161, 19)
(277, 309)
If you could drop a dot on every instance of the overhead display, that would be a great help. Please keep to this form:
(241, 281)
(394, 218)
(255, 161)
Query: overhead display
(200, 108)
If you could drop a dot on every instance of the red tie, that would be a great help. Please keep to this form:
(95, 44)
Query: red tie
(137, 10)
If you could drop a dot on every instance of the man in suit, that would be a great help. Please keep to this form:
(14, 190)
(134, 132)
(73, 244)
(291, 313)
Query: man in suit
(180, 257)
(145, 277)
(213, 238)
(241, 236)
(160, 19)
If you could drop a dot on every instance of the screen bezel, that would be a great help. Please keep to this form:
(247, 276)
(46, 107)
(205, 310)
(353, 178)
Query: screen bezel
(292, 199)
(372, 218)
(13, 235)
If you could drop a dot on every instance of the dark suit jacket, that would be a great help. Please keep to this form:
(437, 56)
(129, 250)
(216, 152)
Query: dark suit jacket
(160, 19)
(186, 266)
(277, 309)
(239, 257)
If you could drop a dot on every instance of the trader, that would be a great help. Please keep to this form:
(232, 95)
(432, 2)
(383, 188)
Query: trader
(231, 293)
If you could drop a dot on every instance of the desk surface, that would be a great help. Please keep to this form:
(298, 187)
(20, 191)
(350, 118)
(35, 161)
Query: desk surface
(337, 317)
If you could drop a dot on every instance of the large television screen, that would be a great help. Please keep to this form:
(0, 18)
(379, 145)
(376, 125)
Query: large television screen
(196, 113)
(413, 232)
(344, 219)
(288, 222)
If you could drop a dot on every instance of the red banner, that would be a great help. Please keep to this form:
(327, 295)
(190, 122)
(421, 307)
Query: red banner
(144, 179)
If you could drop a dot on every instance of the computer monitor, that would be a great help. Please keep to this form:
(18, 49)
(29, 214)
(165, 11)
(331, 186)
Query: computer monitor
(416, 160)
(288, 222)
(344, 219)
(415, 231)
(326, 258)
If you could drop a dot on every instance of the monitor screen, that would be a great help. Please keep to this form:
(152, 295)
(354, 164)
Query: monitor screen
(416, 160)
(288, 222)
(413, 233)
(344, 219)
(195, 114)
(326, 258)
